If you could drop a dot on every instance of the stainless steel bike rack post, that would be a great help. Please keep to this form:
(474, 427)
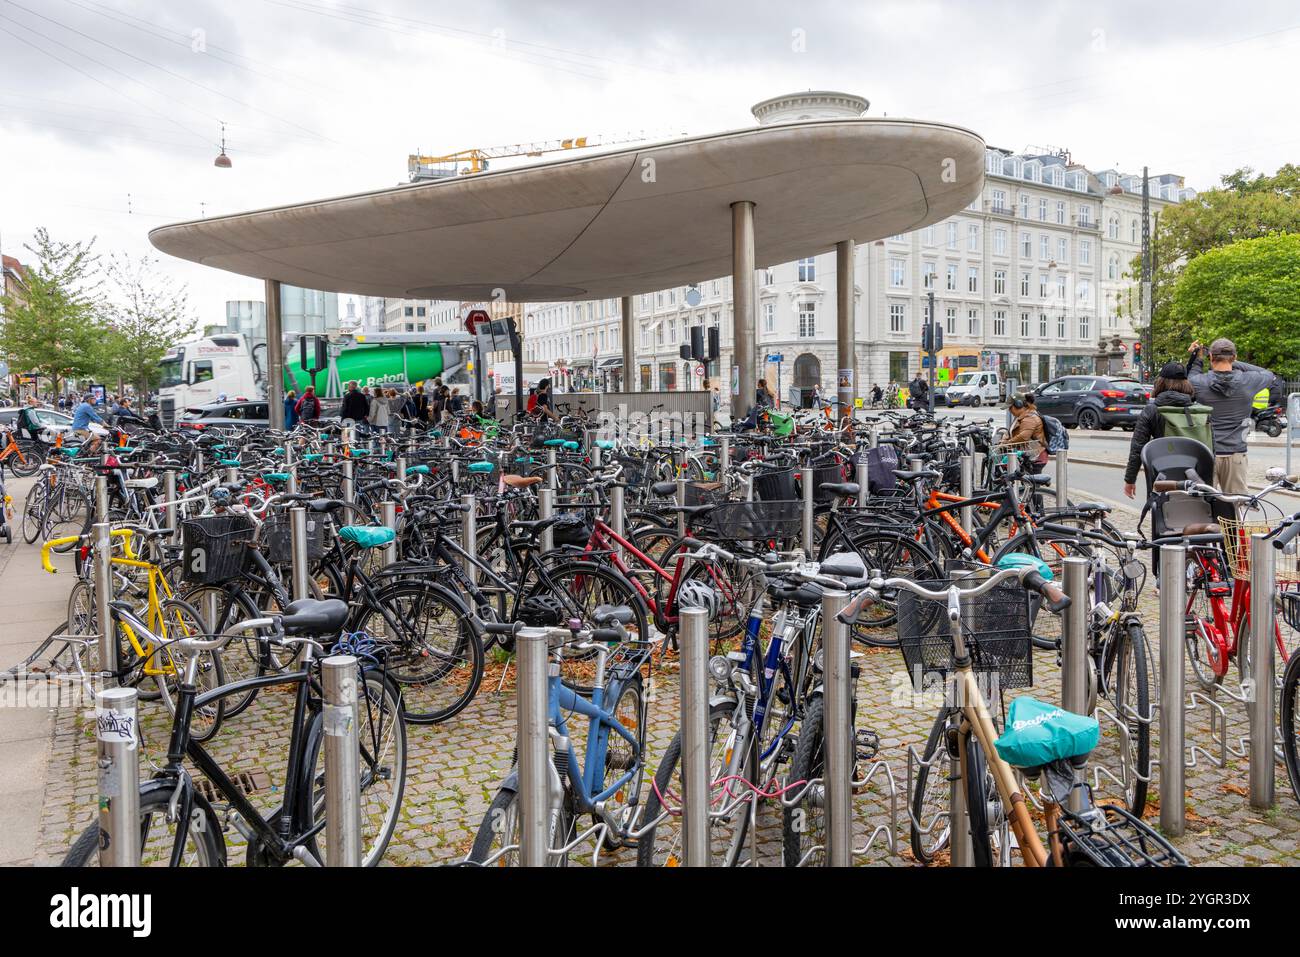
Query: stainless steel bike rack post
(1263, 622)
(1173, 610)
(967, 463)
(593, 452)
(1074, 645)
(169, 496)
(533, 738)
(552, 473)
(455, 472)
(388, 514)
(119, 777)
(101, 498)
(290, 448)
(1062, 478)
(291, 485)
(616, 516)
(400, 468)
(545, 509)
(108, 647)
(724, 457)
(694, 702)
(837, 731)
(232, 474)
(349, 485)
(342, 761)
(469, 536)
(806, 477)
(863, 472)
(681, 501)
(298, 551)
(749, 488)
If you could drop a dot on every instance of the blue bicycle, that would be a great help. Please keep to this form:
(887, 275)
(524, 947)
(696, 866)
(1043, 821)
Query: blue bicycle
(607, 784)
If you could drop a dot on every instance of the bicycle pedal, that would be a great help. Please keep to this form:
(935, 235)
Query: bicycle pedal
(868, 744)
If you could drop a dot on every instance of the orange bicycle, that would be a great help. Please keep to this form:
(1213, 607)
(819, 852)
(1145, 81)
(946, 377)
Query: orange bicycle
(23, 459)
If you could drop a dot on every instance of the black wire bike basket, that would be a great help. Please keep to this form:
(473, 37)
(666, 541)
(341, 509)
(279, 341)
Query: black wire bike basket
(213, 548)
(757, 521)
(277, 538)
(776, 485)
(996, 627)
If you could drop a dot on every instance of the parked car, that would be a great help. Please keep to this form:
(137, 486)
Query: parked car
(1093, 401)
(239, 412)
(51, 420)
(975, 388)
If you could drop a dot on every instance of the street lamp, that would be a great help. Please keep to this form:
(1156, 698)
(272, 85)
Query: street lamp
(222, 161)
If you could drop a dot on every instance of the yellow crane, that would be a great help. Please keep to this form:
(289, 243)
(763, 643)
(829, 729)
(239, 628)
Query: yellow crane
(435, 167)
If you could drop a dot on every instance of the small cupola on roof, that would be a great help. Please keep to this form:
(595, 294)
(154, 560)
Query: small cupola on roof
(809, 105)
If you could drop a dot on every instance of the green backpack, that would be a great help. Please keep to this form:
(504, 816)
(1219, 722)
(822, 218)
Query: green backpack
(1189, 422)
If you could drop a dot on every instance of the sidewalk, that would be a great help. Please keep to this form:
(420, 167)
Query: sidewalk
(34, 603)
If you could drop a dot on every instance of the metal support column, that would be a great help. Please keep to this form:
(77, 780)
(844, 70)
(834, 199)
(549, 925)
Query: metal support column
(109, 651)
(1173, 610)
(967, 464)
(628, 331)
(274, 355)
(863, 475)
(1074, 645)
(545, 509)
(298, 552)
(616, 506)
(681, 501)
(806, 477)
(388, 515)
(169, 496)
(342, 761)
(694, 702)
(469, 535)
(742, 294)
(1062, 478)
(844, 327)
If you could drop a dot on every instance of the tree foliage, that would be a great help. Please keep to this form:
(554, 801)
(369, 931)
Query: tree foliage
(51, 326)
(1247, 205)
(1249, 292)
(148, 312)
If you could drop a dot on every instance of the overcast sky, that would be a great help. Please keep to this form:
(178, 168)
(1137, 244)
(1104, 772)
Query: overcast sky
(110, 109)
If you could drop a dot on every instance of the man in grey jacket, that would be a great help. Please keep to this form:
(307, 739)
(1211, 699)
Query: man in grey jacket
(1229, 389)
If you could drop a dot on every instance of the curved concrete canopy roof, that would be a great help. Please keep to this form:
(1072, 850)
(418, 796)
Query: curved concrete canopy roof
(606, 225)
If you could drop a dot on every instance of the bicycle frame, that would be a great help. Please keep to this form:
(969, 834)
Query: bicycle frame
(600, 722)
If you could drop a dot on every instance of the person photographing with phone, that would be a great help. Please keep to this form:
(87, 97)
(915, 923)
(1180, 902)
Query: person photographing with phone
(1228, 388)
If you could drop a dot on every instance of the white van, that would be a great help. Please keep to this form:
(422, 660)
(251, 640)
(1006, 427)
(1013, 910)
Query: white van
(975, 388)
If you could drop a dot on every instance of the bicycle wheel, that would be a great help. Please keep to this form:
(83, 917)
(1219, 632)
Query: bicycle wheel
(803, 827)
(204, 845)
(34, 512)
(28, 464)
(988, 824)
(661, 844)
(1050, 547)
(500, 829)
(893, 554)
(69, 511)
(1202, 651)
(381, 732)
(930, 797)
(622, 756)
(1131, 695)
(222, 609)
(432, 652)
(180, 619)
(1289, 722)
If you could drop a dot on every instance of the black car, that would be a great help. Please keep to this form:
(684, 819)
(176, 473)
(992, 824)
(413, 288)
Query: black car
(1093, 401)
(240, 412)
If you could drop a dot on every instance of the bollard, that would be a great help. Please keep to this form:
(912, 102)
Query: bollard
(1173, 610)
(863, 471)
(198, 461)
(694, 702)
(681, 502)
(545, 509)
(552, 473)
(101, 498)
(109, 652)
(837, 731)
(532, 738)
(616, 515)
(342, 761)
(455, 472)
(1263, 623)
(1074, 646)
(469, 536)
(1062, 478)
(298, 552)
(749, 488)
(401, 468)
(724, 458)
(119, 777)
(593, 453)
(349, 486)
(967, 489)
(388, 515)
(289, 449)
(806, 477)
(291, 486)
(169, 496)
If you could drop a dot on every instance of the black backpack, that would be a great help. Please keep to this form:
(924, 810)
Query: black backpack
(1058, 439)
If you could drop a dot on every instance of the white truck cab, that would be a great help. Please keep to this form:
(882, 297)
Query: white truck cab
(199, 372)
(975, 388)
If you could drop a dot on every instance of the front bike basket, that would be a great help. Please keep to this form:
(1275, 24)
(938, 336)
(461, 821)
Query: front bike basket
(213, 548)
(757, 521)
(277, 538)
(1109, 836)
(995, 625)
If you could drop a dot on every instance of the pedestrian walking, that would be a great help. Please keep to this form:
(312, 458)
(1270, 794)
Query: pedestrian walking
(355, 405)
(1229, 390)
(290, 409)
(308, 407)
(379, 410)
(1172, 399)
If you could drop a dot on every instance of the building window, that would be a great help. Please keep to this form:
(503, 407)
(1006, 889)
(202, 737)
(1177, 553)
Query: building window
(973, 323)
(1112, 268)
(808, 270)
(1085, 290)
(807, 320)
(1044, 247)
(952, 235)
(1084, 329)
(1060, 213)
(1042, 210)
(1060, 288)
(769, 317)
(1000, 322)
(1060, 326)
(1042, 325)
(1042, 285)
(408, 311)
(1024, 205)
(897, 317)
(1112, 226)
(929, 271)
(897, 271)
(927, 236)
(952, 277)
(999, 201)
(419, 310)
(1024, 284)
(1133, 232)
(973, 279)
(1000, 242)
(659, 300)
(1026, 244)
(1085, 252)
(768, 279)
(973, 238)
(1062, 250)
(1024, 325)
(999, 282)
(950, 320)
(1085, 215)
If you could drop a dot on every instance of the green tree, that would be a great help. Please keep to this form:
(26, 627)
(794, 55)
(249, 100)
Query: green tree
(148, 312)
(1247, 205)
(51, 326)
(1249, 292)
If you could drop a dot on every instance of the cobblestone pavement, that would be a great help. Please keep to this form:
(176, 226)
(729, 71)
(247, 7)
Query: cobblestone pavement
(454, 769)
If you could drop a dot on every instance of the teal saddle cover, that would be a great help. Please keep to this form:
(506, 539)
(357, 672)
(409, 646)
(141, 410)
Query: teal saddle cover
(1039, 733)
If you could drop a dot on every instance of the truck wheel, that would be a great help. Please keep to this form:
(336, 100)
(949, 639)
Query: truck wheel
(975, 402)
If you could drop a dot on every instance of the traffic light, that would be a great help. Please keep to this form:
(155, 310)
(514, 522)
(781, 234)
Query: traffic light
(697, 343)
(931, 337)
(714, 347)
(1137, 352)
(684, 351)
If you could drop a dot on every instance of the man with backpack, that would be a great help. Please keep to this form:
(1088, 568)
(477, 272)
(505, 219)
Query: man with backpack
(1229, 390)
(1172, 411)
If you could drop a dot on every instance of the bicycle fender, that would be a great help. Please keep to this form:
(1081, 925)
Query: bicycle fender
(197, 802)
(721, 699)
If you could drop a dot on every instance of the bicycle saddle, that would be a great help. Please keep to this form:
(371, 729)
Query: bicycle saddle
(845, 565)
(1041, 479)
(1096, 507)
(314, 617)
(908, 475)
(839, 488)
(664, 488)
(1040, 734)
(521, 481)
(607, 614)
